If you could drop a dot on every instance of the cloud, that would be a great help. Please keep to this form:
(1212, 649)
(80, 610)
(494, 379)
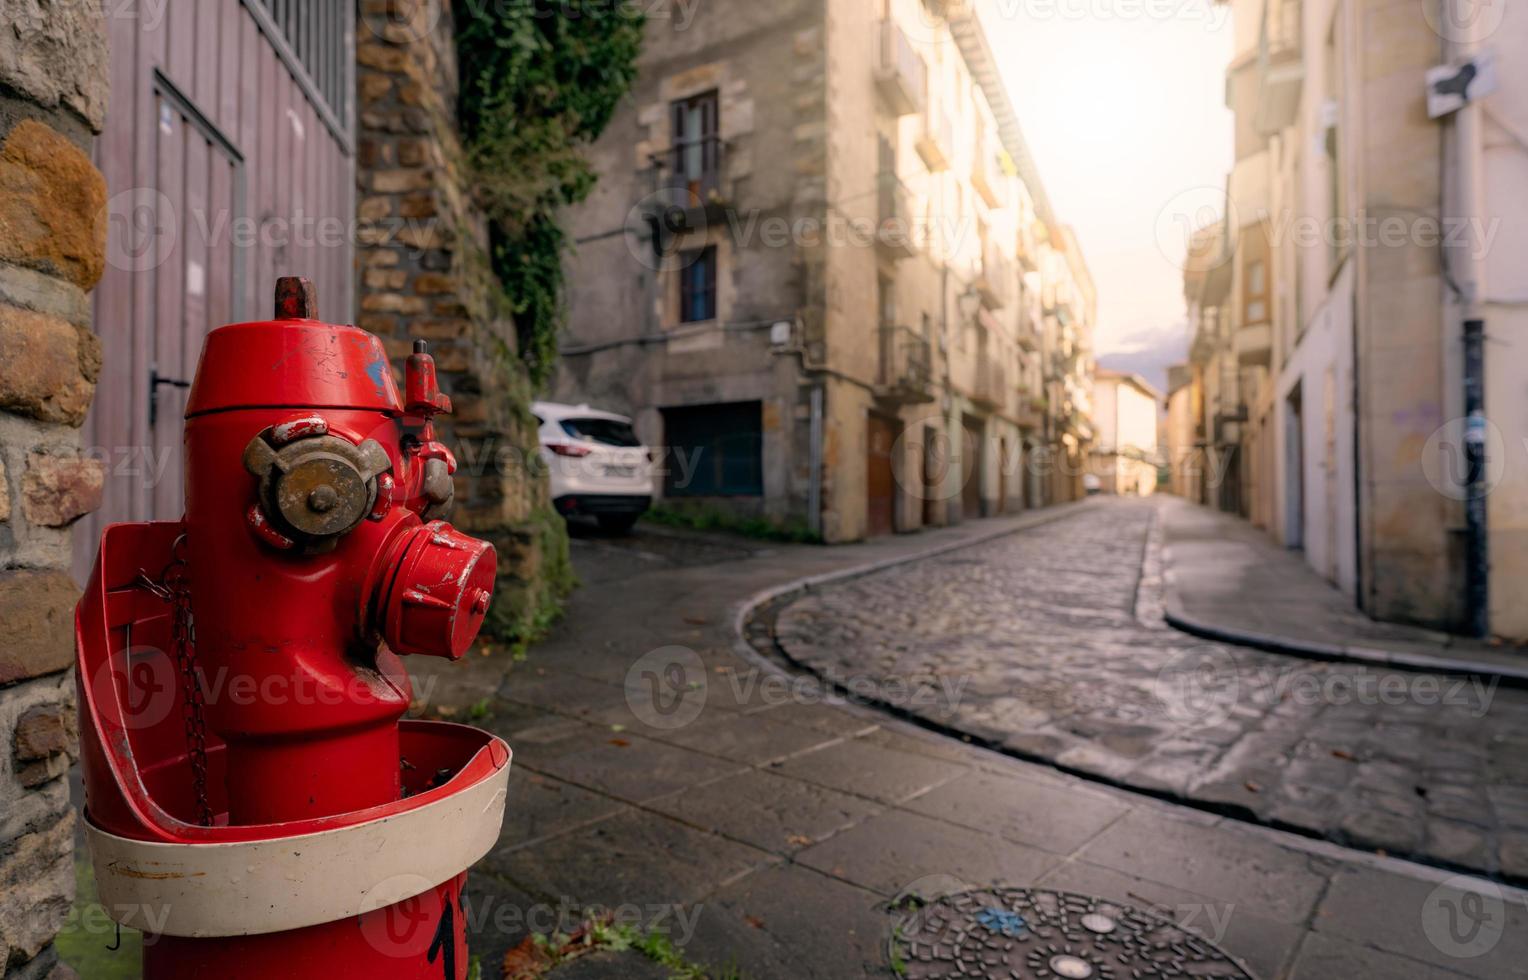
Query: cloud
(1149, 353)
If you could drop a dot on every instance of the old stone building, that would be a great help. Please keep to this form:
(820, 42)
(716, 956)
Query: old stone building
(822, 271)
(1368, 231)
(53, 99)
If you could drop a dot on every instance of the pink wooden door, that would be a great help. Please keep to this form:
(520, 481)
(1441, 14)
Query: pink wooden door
(227, 152)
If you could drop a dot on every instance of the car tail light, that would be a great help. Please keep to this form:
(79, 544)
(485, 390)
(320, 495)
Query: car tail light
(566, 449)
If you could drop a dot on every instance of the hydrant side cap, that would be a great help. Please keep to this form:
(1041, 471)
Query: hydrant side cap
(293, 363)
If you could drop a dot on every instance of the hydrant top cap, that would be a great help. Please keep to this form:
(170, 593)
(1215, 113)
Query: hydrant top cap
(295, 363)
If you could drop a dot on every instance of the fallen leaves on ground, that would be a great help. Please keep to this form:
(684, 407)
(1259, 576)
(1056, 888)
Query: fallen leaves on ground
(538, 954)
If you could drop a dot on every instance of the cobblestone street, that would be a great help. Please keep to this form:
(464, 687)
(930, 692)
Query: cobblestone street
(1050, 644)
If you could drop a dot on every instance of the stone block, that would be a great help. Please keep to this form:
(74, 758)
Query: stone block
(56, 53)
(382, 57)
(373, 153)
(421, 205)
(37, 886)
(385, 278)
(34, 290)
(392, 303)
(53, 212)
(372, 86)
(45, 743)
(433, 283)
(400, 180)
(37, 608)
(440, 329)
(60, 488)
(374, 208)
(413, 152)
(50, 366)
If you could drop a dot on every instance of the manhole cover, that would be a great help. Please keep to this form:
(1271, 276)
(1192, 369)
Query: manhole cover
(1023, 933)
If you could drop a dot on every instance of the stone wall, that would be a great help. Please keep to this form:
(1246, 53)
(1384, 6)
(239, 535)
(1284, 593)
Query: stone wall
(53, 82)
(423, 254)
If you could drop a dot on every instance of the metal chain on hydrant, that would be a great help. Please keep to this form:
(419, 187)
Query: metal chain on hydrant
(173, 587)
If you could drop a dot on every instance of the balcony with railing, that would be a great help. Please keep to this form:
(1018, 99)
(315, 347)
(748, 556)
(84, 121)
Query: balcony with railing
(1027, 333)
(900, 73)
(1027, 247)
(895, 235)
(1253, 344)
(1029, 411)
(936, 138)
(994, 278)
(693, 175)
(991, 385)
(906, 374)
(1281, 66)
(987, 175)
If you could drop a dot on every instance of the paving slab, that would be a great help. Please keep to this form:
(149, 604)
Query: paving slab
(791, 922)
(635, 858)
(1454, 924)
(770, 812)
(1025, 813)
(892, 850)
(753, 739)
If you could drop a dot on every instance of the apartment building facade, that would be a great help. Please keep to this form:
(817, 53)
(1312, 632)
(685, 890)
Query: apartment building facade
(1363, 232)
(821, 270)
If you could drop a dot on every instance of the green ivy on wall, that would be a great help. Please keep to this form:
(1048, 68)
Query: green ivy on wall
(540, 79)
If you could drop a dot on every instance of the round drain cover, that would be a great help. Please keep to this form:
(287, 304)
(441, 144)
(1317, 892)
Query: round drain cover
(1026, 933)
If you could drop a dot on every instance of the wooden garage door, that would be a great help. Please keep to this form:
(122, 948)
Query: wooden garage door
(880, 477)
(228, 163)
(971, 468)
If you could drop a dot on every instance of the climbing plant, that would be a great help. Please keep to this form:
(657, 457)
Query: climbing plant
(540, 80)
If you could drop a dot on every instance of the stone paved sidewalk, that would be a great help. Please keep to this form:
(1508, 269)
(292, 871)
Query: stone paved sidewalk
(769, 828)
(1050, 644)
(1230, 582)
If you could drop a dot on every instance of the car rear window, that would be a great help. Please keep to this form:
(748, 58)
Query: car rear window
(607, 432)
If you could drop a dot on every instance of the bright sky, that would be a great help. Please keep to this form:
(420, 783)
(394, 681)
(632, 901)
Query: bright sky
(1122, 103)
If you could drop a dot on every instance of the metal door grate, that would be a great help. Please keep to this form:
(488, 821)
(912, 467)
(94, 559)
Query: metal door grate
(313, 37)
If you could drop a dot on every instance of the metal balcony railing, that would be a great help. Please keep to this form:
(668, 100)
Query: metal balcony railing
(987, 175)
(901, 73)
(936, 139)
(995, 277)
(991, 387)
(906, 374)
(894, 217)
(694, 168)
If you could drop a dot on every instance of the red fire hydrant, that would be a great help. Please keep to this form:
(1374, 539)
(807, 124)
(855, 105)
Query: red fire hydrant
(254, 801)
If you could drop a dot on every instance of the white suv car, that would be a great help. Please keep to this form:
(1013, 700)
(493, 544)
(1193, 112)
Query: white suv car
(598, 466)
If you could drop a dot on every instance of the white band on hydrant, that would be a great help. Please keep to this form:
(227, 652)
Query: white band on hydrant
(246, 888)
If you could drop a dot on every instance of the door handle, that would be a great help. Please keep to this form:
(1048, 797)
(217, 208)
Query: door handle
(155, 380)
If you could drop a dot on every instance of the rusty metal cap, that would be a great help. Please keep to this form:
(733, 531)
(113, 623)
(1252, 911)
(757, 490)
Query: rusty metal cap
(314, 486)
